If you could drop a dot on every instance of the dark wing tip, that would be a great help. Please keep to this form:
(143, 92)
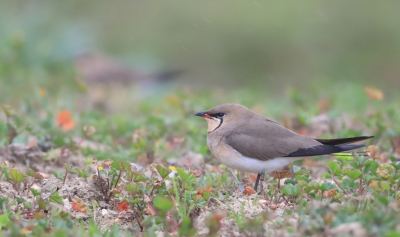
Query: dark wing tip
(342, 141)
(323, 150)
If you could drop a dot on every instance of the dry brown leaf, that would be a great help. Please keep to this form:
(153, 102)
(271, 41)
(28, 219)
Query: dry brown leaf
(149, 210)
(329, 193)
(249, 191)
(374, 93)
(281, 174)
(196, 173)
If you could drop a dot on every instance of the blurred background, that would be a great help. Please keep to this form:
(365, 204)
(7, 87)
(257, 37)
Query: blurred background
(310, 49)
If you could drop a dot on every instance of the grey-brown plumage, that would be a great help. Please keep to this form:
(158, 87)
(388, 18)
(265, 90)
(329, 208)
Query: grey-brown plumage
(247, 141)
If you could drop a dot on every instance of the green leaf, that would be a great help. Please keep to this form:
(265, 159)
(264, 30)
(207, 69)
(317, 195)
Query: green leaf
(116, 165)
(206, 195)
(135, 201)
(182, 174)
(20, 200)
(353, 174)
(59, 175)
(162, 171)
(16, 175)
(31, 173)
(88, 161)
(55, 197)
(385, 185)
(326, 186)
(4, 220)
(354, 165)
(350, 184)
(138, 177)
(334, 167)
(370, 167)
(162, 203)
(291, 190)
(290, 181)
(132, 188)
(383, 199)
(35, 192)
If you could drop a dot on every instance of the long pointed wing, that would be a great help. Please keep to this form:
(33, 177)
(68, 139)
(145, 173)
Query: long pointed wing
(264, 139)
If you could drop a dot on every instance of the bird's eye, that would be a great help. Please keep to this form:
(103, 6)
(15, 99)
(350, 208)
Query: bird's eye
(220, 115)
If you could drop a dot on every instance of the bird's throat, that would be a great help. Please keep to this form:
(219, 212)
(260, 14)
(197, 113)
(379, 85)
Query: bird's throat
(213, 124)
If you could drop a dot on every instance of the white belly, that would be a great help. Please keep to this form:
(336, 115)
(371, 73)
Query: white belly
(233, 159)
(256, 166)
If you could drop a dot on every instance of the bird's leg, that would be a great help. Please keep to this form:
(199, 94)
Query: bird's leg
(260, 179)
(257, 180)
(240, 184)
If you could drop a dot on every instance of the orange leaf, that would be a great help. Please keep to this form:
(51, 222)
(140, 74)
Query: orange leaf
(249, 190)
(198, 196)
(123, 206)
(79, 205)
(374, 93)
(65, 121)
(202, 189)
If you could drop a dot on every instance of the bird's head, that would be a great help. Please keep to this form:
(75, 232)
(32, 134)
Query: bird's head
(225, 114)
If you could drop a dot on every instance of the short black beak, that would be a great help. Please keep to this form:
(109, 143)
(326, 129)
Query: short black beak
(201, 114)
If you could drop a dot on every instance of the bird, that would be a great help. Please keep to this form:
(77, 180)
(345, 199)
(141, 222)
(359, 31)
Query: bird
(246, 141)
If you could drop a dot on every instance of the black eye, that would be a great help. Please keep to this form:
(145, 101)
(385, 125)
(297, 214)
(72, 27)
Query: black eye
(220, 115)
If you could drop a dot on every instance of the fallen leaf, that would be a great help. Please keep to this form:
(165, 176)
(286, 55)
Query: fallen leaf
(196, 173)
(272, 207)
(123, 206)
(374, 93)
(329, 193)
(65, 121)
(149, 210)
(79, 205)
(198, 196)
(202, 189)
(249, 191)
(253, 177)
(281, 174)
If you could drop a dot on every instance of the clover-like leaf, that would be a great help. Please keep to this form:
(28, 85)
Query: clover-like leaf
(291, 190)
(55, 197)
(16, 175)
(334, 168)
(162, 171)
(353, 174)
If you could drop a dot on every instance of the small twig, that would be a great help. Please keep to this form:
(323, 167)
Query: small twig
(65, 177)
(137, 218)
(340, 186)
(119, 176)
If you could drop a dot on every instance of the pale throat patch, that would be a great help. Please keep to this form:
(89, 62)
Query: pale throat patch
(213, 123)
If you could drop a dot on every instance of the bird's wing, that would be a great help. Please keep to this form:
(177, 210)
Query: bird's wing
(263, 139)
